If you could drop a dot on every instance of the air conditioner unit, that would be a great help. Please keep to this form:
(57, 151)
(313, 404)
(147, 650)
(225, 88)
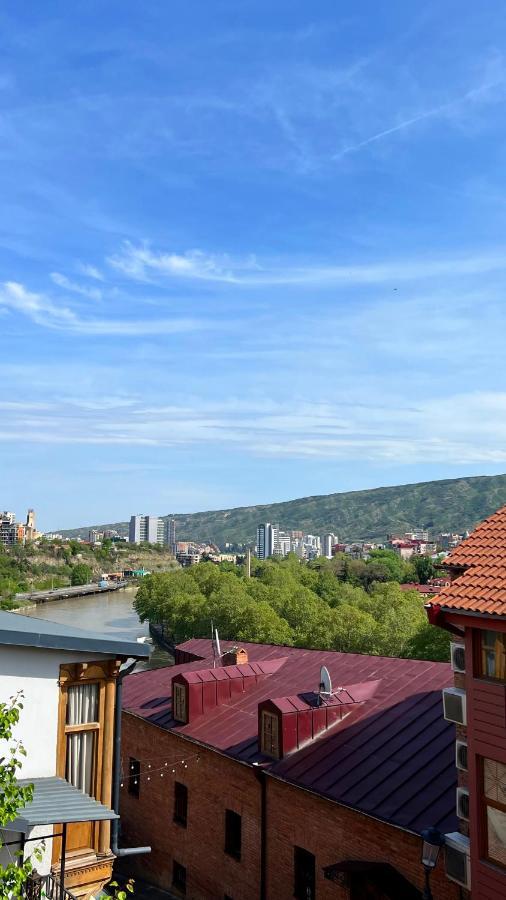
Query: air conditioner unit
(463, 803)
(454, 705)
(461, 755)
(457, 861)
(458, 657)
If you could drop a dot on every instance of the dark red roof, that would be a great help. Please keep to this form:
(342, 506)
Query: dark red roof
(392, 757)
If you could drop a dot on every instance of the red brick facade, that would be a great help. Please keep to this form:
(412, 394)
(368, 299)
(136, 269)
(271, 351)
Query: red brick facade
(293, 817)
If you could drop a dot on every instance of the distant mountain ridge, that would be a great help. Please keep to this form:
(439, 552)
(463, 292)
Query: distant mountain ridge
(455, 504)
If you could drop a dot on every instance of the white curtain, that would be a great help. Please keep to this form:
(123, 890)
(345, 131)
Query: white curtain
(82, 704)
(82, 707)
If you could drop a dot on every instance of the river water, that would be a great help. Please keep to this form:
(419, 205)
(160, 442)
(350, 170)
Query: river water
(107, 613)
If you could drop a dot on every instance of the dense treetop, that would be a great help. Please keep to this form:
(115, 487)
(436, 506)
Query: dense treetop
(339, 604)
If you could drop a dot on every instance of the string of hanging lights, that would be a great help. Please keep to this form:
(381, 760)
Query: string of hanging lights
(168, 768)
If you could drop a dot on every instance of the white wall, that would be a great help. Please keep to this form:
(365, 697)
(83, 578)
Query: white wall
(35, 672)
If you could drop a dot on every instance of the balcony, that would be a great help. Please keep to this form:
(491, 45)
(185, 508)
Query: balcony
(45, 887)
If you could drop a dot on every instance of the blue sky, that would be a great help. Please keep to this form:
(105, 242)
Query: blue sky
(248, 251)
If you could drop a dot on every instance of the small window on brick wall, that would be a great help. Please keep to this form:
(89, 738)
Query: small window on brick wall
(270, 734)
(233, 833)
(494, 797)
(180, 803)
(179, 877)
(179, 700)
(303, 874)
(134, 777)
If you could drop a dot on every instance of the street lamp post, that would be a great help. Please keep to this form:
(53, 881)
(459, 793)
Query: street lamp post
(433, 840)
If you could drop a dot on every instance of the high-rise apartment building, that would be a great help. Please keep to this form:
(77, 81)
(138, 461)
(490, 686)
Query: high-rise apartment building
(267, 536)
(329, 541)
(11, 532)
(150, 529)
(170, 535)
(283, 544)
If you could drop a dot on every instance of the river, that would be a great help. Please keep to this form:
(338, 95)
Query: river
(107, 613)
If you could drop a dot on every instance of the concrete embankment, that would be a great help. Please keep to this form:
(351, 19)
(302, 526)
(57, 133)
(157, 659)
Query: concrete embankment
(65, 593)
(157, 633)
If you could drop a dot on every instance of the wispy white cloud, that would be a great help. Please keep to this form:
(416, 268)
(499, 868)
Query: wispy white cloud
(142, 264)
(460, 429)
(62, 281)
(48, 314)
(90, 271)
(138, 262)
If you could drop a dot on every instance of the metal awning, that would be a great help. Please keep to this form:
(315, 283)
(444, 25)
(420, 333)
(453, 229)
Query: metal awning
(57, 801)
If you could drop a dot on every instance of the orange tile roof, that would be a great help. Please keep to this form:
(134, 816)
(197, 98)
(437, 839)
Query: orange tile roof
(487, 543)
(482, 585)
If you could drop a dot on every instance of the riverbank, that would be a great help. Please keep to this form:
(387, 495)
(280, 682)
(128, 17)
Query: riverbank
(110, 613)
(65, 593)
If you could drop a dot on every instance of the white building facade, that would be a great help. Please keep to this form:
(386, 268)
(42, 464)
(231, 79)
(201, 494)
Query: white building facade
(146, 529)
(67, 680)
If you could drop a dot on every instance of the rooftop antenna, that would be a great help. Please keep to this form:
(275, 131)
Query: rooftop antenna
(216, 647)
(325, 683)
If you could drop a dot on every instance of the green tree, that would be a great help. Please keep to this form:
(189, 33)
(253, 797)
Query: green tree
(430, 642)
(391, 561)
(80, 574)
(12, 797)
(424, 568)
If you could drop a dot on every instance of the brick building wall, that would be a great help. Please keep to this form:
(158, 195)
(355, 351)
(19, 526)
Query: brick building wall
(294, 818)
(214, 784)
(333, 834)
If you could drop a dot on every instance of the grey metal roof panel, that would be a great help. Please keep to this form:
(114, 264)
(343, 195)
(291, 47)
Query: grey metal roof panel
(57, 801)
(29, 631)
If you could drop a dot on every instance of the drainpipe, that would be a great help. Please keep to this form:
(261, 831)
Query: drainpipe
(118, 851)
(261, 776)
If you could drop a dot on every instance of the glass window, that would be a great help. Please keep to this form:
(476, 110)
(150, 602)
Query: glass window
(494, 796)
(493, 655)
(304, 870)
(496, 835)
(180, 703)
(233, 833)
(180, 803)
(179, 877)
(270, 734)
(82, 729)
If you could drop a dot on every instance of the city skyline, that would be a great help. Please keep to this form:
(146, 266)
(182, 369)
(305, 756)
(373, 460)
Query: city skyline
(248, 255)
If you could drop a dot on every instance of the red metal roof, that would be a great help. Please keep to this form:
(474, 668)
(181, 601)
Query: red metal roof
(424, 589)
(392, 757)
(482, 557)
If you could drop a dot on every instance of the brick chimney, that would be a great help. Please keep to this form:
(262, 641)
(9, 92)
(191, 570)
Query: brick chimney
(236, 656)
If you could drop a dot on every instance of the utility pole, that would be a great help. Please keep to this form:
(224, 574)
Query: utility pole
(248, 563)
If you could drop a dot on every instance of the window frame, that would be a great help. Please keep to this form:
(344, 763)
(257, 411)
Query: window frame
(94, 728)
(179, 883)
(180, 702)
(486, 802)
(233, 834)
(299, 889)
(272, 746)
(484, 648)
(181, 801)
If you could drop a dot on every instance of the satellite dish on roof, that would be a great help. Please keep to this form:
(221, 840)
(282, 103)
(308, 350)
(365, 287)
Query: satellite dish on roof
(325, 682)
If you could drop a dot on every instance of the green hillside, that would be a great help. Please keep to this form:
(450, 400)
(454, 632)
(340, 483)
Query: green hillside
(452, 505)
